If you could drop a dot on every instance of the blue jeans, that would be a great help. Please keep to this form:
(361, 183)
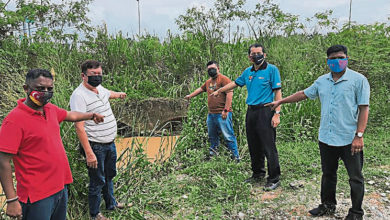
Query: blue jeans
(216, 125)
(100, 179)
(52, 207)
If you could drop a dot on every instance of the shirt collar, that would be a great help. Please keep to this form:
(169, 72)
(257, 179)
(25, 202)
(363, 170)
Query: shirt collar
(345, 76)
(262, 67)
(88, 90)
(29, 110)
(218, 75)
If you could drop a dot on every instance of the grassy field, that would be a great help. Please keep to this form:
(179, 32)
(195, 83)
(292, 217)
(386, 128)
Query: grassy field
(186, 186)
(189, 187)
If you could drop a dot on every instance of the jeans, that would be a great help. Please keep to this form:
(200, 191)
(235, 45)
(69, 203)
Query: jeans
(261, 138)
(100, 179)
(216, 125)
(50, 208)
(329, 162)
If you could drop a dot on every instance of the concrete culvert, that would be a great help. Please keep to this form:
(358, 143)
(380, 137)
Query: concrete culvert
(152, 116)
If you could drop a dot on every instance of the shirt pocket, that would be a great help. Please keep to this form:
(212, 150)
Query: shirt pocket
(348, 93)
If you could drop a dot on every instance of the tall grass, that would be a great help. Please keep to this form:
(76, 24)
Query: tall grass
(147, 68)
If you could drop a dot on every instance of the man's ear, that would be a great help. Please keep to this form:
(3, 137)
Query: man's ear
(265, 55)
(25, 88)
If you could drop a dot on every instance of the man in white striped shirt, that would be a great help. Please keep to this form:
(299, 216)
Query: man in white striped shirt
(97, 141)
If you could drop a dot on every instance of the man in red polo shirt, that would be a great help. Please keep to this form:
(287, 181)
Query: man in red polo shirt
(30, 136)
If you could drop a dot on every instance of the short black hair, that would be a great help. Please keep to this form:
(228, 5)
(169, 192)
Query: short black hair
(337, 48)
(256, 45)
(90, 64)
(36, 73)
(211, 62)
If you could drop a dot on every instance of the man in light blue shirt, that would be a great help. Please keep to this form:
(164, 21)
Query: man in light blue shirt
(344, 96)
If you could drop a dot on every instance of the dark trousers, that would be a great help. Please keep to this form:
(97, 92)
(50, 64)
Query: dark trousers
(50, 208)
(100, 179)
(330, 156)
(261, 138)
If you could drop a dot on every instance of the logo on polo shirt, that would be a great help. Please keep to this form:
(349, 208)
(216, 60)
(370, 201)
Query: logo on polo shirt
(213, 86)
(250, 78)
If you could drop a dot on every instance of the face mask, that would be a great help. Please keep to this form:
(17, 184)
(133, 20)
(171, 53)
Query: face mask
(337, 65)
(40, 98)
(95, 80)
(212, 72)
(258, 59)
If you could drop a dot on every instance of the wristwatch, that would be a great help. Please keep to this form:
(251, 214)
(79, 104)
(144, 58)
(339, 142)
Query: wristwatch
(359, 134)
(277, 112)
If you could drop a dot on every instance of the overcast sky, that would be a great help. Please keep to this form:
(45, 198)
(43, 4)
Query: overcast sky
(157, 16)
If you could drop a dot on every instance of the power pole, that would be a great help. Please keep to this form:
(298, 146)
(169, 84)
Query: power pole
(350, 12)
(139, 20)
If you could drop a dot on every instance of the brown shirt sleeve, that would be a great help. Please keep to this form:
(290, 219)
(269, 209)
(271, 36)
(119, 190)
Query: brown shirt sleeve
(204, 87)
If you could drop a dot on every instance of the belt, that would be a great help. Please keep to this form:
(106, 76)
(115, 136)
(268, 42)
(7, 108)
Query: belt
(259, 106)
(95, 143)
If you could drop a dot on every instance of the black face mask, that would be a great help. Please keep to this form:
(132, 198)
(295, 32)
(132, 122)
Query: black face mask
(258, 59)
(95, 80)
(212, 72)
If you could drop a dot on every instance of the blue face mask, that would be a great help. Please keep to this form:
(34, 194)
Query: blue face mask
(337, 65)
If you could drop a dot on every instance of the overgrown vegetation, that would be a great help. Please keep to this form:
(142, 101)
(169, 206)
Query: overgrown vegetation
(186, 186)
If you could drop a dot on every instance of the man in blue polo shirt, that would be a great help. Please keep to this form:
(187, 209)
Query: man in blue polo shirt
(263, 83)
(344, 96)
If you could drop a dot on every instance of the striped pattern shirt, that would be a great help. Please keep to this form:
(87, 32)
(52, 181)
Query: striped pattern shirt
(84, 100)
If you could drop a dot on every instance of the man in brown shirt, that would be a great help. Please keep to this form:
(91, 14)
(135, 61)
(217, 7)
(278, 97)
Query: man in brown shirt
(219, 119)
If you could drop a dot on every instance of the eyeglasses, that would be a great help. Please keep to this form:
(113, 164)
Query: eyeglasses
(339, 57)
(255, 54)
(43, 89)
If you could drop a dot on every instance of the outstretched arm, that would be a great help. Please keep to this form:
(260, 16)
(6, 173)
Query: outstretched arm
(117, 95)
(80, 116)
(195, 93)
(296, 97)
(228, 87)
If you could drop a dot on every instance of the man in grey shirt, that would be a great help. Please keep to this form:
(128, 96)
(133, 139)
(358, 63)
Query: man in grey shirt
(97, 141)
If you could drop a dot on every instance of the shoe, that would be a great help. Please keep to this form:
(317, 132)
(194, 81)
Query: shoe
(211, 155)
(323, 209)
(100, 216)
(255, 179)
(271, 186)
(120, 205)
(352, 216)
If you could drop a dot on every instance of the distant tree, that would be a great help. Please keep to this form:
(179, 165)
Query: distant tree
(265, 19)
(58, 21)
(212, 23)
